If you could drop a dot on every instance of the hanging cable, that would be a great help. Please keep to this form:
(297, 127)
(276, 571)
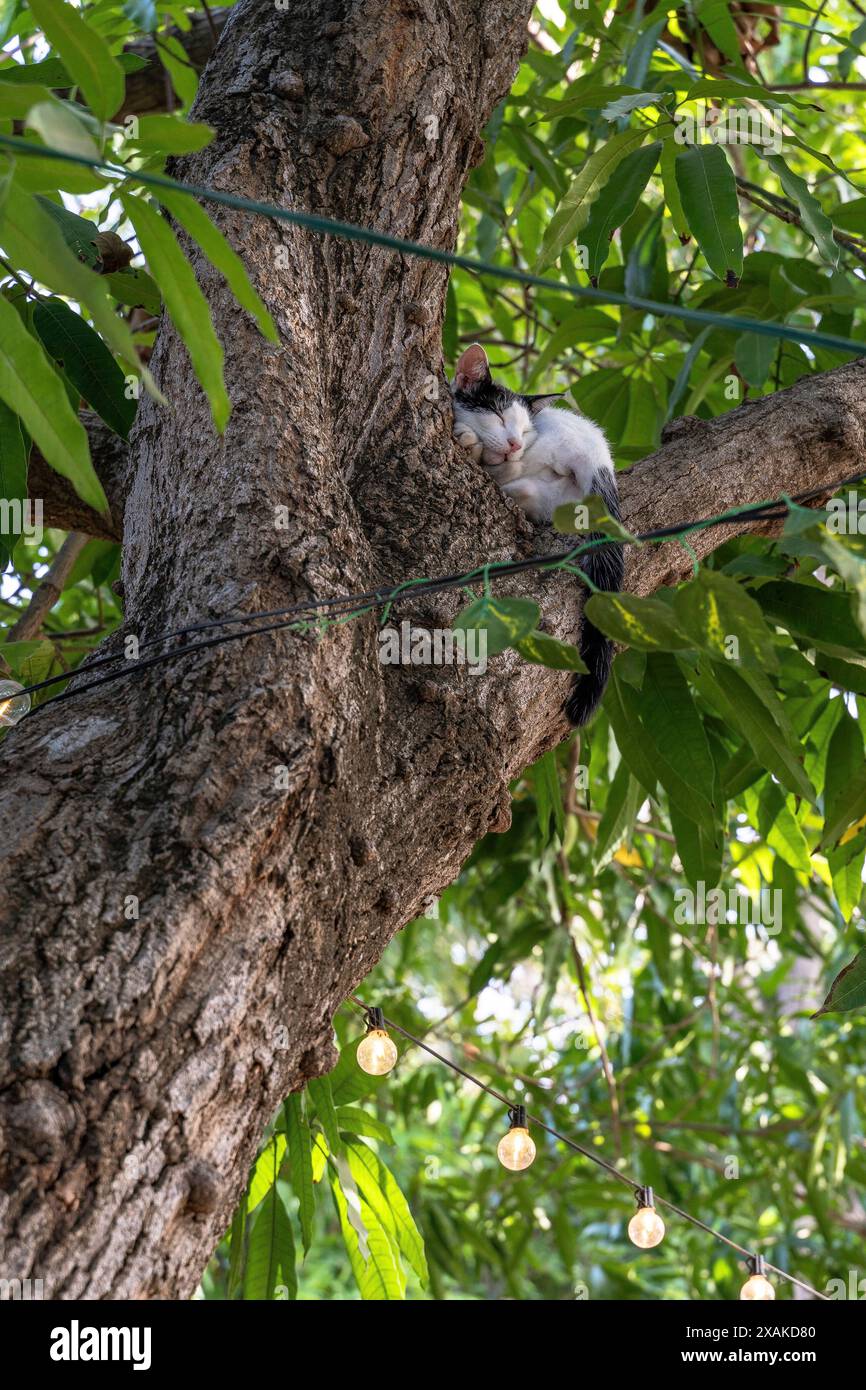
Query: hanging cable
(349, 231)
(344, 607)
(638, 1188)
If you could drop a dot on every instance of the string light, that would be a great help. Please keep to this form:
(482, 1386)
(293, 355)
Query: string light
(516, 1149)
(377, 1053)
(646, 1227)
(14, 703)
(344, 607)
(756, 1287)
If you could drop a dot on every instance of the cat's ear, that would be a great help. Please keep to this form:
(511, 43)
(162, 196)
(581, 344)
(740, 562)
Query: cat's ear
(472, 368)
(536, 403)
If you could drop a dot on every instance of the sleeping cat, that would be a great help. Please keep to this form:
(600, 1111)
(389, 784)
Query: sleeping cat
(542, 457)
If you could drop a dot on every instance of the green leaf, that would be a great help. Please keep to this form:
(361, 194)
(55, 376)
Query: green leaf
(549, 651)
(220, 254)
(715, 16)
(61, 128)
(83, 357)
(184, 301)
(846, 872)
(624, 798)
(237, 1251)
(648, 624)
(38, 173)
(682, 756)
(667, 168)
(13, 473)
(85, 54)
(761, 721)
(377, 1275)
(851, 567)
(271, 1251)
(301, 1165)
(351, 1241)
(96, 560)
(715, 89)
(590, 517)
(164, 134)
(622, 705)
(591, 97)
(320, 1157)
(79, 234)
(822, 616)
(770, 811)
(812, 215)
(579, 325)
(700, 853)
(357, 1121)
(348, 1082)
(34, 242)
(615, 204)
(708, 192)
(822, 157)
(30, 662)
(505, 620)
(848, 990)
(175, 60)
(844, 781)
(32, 388)
(633, 101)
(136, 288)
(50, 71)
(380, 1190)
(451, 327)
(754, 354)
(544, 776)
(322, 1100)
(266, 1166)
(573, 210)
(679, 387)
(16, 99)
(714, 609)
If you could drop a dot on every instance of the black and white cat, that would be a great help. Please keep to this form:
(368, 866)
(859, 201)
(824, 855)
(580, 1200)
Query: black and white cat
(541, 457)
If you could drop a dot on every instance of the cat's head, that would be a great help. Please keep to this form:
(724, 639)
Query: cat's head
(501, 418)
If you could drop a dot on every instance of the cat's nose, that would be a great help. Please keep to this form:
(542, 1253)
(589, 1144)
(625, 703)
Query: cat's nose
(514, 445)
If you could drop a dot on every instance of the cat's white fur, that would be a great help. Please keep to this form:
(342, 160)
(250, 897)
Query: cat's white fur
(540, 457)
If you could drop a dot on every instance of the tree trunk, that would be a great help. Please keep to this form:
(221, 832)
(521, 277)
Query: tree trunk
(201, 861)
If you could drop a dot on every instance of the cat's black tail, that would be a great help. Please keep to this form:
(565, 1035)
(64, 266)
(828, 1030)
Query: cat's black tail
(604, 566)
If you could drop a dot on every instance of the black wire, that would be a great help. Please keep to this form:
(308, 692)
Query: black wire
(377, 598)
(587, 1153)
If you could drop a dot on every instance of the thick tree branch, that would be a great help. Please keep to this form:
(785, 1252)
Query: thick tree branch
(793, 441)
(149, 90)
(817, 407)
(48, 590)
(61, 505)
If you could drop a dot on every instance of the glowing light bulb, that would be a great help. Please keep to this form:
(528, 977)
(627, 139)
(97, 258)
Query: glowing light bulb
(377, 1054)
(757, 1287)
(516, 1149)
(646, 1227)
(13, 705)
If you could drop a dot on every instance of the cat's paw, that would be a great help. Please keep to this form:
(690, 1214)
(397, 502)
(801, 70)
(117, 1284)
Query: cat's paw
(468, 440)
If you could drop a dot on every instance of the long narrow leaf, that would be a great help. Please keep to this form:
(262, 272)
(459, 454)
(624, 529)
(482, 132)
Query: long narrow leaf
(31, 387)
(184, 301)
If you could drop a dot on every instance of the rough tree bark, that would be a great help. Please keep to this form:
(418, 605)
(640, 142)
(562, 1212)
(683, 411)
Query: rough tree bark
(141, 1057)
